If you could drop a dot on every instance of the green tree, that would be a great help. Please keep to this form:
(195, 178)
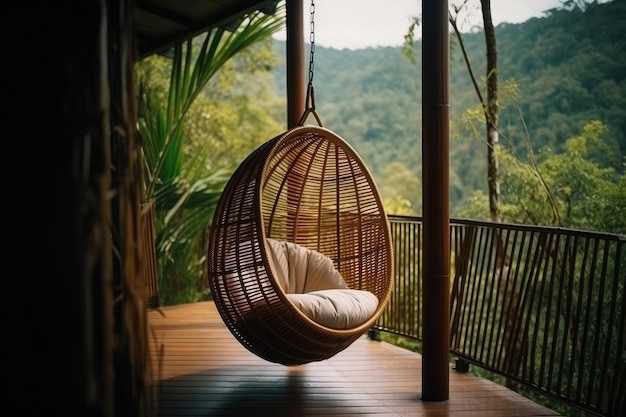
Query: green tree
(488, 99)
(400, 190)
(567, 189)
(237, 110)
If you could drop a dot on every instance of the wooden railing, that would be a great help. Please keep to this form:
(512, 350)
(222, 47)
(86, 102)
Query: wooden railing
(543, 306)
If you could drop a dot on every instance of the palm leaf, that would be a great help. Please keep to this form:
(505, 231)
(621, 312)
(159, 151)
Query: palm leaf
(184, 194)
(189, 75)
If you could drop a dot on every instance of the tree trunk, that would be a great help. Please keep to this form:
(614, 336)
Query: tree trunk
(491, 112)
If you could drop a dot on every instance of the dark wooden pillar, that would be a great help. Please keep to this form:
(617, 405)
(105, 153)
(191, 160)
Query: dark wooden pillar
(65, 352)
(296, 87)
(58, 254)
(435, 160)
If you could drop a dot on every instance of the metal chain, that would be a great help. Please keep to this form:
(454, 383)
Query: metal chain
(312, 42)
(310, 91)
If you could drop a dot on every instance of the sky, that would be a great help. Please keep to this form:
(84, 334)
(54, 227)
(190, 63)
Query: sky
(356, 24)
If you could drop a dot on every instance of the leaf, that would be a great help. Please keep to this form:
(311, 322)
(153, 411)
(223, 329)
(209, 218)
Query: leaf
(185, 195)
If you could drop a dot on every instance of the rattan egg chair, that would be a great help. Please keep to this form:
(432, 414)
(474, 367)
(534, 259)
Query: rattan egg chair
(306, 186)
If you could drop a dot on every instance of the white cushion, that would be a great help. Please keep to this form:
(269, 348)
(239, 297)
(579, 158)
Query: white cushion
(316, 288)
(337, 309)
(299, 269)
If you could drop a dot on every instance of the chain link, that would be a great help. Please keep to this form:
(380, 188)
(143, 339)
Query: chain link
(312, 42)
(310, 91)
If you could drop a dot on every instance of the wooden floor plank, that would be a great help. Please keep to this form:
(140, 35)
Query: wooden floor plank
(199, 369)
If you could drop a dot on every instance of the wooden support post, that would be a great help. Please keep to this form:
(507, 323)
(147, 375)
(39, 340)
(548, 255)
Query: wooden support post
(296, 87)
(435, 165)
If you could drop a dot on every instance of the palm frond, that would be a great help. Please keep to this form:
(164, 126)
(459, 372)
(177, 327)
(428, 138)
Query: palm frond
(185, 196)
(190, 73)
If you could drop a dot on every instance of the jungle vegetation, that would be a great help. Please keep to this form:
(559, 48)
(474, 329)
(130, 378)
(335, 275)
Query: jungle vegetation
(562, 127)
(557, 74)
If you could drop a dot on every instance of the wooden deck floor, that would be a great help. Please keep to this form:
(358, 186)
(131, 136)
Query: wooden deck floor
(201, 370)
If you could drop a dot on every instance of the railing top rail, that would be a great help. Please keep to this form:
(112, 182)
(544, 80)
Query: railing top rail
(522, 227)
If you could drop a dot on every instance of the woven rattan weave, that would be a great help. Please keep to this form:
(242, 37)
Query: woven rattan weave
(307, 186)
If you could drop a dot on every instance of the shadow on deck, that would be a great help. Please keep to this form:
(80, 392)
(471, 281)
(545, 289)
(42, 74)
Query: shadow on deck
(199, 369)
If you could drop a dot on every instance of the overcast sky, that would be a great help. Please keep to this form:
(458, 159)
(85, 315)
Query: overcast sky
(358, 24)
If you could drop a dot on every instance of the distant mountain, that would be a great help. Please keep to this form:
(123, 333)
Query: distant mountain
(570, 68)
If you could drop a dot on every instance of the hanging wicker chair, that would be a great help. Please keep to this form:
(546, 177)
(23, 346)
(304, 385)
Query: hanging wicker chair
(309, 187)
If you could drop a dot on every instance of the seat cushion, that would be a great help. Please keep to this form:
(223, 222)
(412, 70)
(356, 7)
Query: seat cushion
(316, 288)
(337, 308)
(299, 269)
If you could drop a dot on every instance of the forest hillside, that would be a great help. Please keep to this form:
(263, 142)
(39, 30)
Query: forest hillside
(557, 73)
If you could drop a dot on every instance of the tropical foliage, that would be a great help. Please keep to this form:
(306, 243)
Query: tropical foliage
(181, 173)
(569, 70)
(568, 189)
(561, 131)
(581, 187)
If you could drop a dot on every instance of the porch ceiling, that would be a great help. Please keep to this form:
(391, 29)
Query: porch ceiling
(159, 22)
